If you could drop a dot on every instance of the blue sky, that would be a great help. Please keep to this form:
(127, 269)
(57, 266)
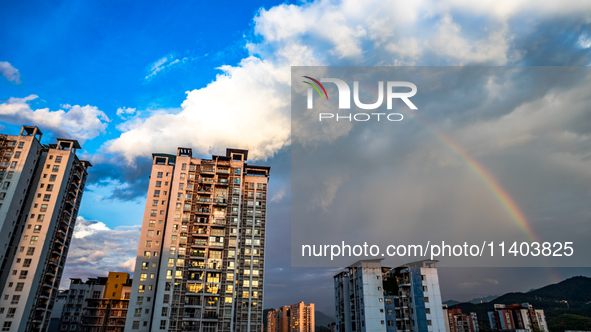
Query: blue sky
(129, 79)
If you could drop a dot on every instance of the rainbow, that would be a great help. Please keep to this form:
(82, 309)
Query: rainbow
(502, 196)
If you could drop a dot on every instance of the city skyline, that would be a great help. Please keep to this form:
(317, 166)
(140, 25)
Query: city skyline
(129, 80)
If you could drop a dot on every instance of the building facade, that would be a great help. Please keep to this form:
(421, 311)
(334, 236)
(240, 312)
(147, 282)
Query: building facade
(95, 305)
(297, 317)
(372, 298)
(41, 191)
(200, 261)
(517, 317)
(461, 322)
(108, 312)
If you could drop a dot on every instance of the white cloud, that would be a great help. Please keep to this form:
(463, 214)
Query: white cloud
(244, 107)
(492, 281)
(162, 64)
(247, 105)
(125, 112)
(78, 122)
(96, 249)
(11, 73)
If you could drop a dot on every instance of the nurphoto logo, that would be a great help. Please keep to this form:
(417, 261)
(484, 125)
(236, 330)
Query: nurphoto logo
(344, 93)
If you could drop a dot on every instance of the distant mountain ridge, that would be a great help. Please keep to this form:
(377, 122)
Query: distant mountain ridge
(474, 301)
(575, 291)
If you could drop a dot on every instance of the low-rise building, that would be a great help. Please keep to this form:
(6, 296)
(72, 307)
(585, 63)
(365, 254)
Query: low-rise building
(96, 305)
(512, 317)
(461, 322)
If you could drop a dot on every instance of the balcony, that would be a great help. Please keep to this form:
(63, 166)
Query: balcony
(220, 201)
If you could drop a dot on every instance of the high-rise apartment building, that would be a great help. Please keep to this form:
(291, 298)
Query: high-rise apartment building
(517, 317)
(200, 261)
(40, 193)
(372, 298)
(459, 321)
(297, 317)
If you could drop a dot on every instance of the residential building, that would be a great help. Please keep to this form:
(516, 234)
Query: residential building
(461, 322)
(372, 298)
(96, 305)
(297, 317)
(57, 311)
(40, 194)
(109, 312)
(200, 261)
(77, 295)
(513, 317)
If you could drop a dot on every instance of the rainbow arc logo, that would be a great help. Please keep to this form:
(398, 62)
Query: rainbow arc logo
(316, 87)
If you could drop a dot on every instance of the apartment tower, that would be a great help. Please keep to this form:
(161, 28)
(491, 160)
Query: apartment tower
(40, 195)
(297, 317)
(200, 261)
(372, 298)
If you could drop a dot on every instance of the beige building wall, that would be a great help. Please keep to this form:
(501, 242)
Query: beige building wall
(200, 261)
(297, 317)
(49, 217)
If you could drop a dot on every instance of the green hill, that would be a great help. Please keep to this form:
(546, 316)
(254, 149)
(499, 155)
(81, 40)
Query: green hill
(575, 291)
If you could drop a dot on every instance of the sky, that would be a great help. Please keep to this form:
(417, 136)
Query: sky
(129, 79)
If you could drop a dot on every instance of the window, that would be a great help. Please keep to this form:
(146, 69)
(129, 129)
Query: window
(152, 223)
(19, 287)
(163, 324)
(27, 262)
(46, 197)
(7, 325)
(145, 265)
(424, 288)
(427, 310)
(164, 311)
(148, 244)
(158, 184)
(17, 154)
(136, 324)
(40, 217)
(6, 185)
(55, 168)
(141, 288)
(52, 178)
(389, 312)
(159, 175)
(428, 322)
(37, 228)
(15, 299)
(30, 251)
(423, 277)
(426, 299)
(34, 239)
(43, 208)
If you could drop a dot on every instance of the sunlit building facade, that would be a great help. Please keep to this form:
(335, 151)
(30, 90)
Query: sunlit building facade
(200, 261)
